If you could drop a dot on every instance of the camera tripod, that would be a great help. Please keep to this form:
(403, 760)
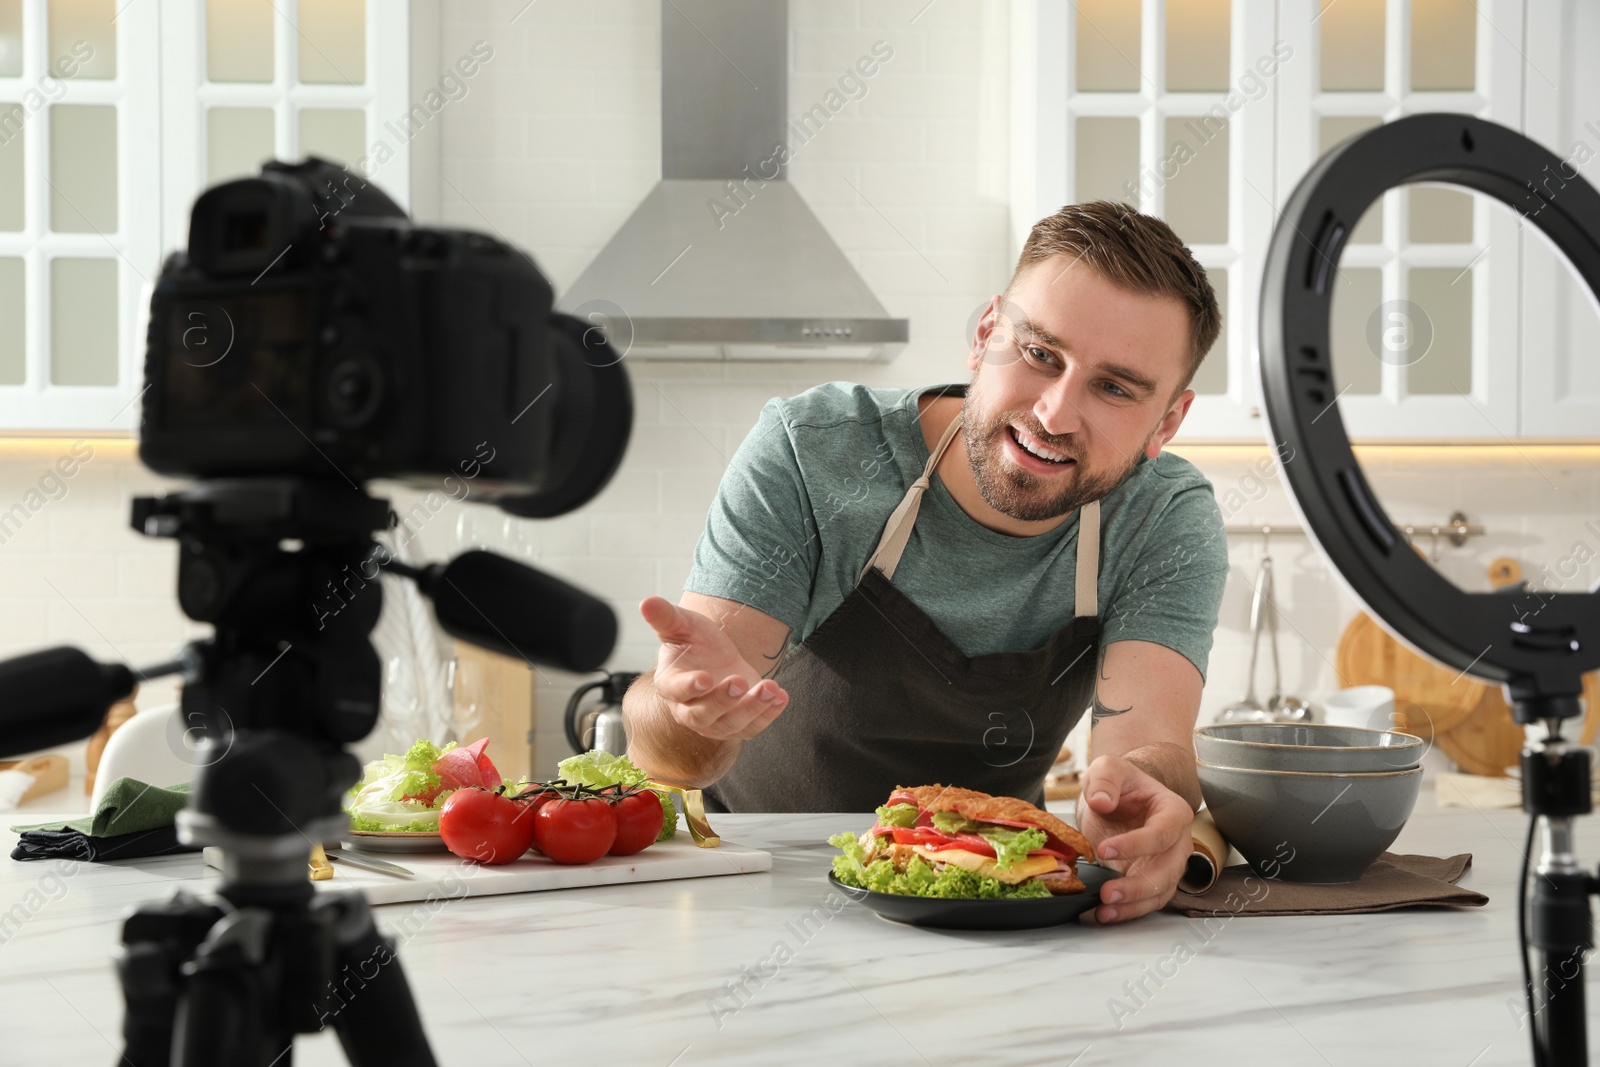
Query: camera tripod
(276, 693)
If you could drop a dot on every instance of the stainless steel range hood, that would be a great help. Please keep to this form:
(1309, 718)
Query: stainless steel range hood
(723, 259)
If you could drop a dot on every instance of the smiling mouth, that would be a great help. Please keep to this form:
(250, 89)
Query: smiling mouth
(1035, 448)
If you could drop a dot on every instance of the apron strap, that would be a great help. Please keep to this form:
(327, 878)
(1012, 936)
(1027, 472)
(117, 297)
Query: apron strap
(886, 557)
(897, 532)
(1088, 559)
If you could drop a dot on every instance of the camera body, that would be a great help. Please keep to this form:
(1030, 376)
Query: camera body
(312, 331)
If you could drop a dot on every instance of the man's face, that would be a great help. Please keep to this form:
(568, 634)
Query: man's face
(1073, 367)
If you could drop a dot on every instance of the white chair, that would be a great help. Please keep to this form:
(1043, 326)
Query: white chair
(149, 747)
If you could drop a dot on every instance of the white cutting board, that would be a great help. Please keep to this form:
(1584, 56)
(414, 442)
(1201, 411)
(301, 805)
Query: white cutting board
(443, 876)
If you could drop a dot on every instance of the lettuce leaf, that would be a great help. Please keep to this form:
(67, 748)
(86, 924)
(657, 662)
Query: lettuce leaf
(903, 815)
(598, 768)
(953, 822)
(919, 879)
(1011, 845)
(420, 826)
(379, 801)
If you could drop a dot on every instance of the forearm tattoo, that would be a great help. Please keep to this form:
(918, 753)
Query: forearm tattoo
(776, 658)
(1098, 710)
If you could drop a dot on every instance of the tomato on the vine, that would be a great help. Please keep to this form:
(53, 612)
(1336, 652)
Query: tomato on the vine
(575, 831)
(639, 821)
(479, 824)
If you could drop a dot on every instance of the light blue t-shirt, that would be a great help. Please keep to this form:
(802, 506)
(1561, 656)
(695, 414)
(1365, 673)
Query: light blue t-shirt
(805, 499)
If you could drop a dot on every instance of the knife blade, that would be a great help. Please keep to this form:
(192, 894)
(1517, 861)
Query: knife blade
(384, 866)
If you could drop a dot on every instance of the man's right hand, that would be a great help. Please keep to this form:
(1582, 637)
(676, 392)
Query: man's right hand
(704, 681)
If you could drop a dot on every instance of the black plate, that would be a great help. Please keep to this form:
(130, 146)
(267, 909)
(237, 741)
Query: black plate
(985, 914)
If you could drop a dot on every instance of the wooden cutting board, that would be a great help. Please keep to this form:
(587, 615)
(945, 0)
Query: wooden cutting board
(1488, 740)
(1429, 699)
(440, 877)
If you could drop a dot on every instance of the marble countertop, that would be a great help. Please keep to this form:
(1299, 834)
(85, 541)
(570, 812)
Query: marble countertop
(776, 968)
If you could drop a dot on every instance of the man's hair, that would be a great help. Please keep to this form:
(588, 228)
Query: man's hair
(1136, 252)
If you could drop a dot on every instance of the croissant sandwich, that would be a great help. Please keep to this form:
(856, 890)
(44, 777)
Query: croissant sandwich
(940, 841)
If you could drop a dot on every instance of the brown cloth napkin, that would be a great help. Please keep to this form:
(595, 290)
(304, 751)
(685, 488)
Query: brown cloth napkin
(1393, 881)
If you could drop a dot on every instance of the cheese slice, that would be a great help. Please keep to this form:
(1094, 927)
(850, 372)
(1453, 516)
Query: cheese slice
(1020, 871)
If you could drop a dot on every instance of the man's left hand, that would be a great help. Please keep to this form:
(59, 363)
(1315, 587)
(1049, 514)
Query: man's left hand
(1139, 828)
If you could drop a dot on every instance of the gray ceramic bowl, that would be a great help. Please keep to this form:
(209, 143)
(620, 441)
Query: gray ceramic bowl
(1308, 827)
(1302, 747)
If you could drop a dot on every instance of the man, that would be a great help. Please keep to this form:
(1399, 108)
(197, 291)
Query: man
(873, 606)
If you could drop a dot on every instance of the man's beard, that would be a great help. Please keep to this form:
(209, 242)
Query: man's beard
(1023, 495)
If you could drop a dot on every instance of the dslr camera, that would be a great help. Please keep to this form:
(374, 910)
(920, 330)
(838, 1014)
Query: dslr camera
(311, 331)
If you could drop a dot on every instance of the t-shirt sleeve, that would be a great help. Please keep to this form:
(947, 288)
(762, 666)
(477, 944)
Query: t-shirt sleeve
(1174, 592)
(760, 545)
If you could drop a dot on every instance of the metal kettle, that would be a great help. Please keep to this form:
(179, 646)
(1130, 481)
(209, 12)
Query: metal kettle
(600, 726)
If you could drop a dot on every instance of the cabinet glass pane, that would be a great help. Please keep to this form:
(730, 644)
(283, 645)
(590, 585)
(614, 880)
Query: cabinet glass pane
(83, 36)
(11, 169)
(1107, 155)
(1196, 157)
(83, 168)
(238, 141)
(10, 38)
(1333, 129)
(1444, 44)
(1443, 299)
(1212, 377)
(239, 40)
(1108, 45)
(333, 42)
(13, 333)
(1440, 216)
(83, 322)
(1357, 300)
(335, 134)
(1197, 45)
(1351, 33)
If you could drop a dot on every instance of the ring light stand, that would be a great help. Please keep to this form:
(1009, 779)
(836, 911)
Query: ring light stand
(1537, 650)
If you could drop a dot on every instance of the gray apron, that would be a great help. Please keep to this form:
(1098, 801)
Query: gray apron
(879, 697)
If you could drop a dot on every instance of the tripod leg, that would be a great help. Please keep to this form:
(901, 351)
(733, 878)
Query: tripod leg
(156, 941)
(229, 1012)
(371, 1004)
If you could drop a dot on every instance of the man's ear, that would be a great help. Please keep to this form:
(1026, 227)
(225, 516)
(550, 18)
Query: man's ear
(978, 343)
(1167, 428)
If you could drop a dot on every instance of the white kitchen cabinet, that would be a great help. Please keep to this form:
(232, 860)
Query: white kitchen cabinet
(1443, 327)
(1110, 104)
(79, 167)
(100, 166)
(1425, 308)
(1560, 341)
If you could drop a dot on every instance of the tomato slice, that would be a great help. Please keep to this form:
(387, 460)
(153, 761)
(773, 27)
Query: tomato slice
(936, 841)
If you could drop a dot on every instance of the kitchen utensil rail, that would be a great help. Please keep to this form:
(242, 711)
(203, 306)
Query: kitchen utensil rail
(1457, 529)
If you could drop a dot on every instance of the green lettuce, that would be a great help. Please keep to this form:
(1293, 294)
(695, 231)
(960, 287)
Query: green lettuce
(919, 879)
(953, 822)
(904, 815)
(598, 769)
(379, 801)
(419, 826)
(1010, 845)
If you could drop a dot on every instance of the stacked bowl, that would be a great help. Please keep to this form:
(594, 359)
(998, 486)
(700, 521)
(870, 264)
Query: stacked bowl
(1308, 803)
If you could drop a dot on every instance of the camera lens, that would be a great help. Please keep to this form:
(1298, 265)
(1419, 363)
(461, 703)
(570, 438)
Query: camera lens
(594, 417)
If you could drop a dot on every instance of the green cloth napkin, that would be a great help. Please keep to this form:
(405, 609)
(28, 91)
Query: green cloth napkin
(127, 807)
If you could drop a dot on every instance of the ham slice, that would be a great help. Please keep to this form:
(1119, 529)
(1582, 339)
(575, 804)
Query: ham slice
(462, 767)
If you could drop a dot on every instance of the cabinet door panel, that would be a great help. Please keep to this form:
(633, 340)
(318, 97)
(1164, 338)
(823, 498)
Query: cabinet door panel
(1427, 309)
